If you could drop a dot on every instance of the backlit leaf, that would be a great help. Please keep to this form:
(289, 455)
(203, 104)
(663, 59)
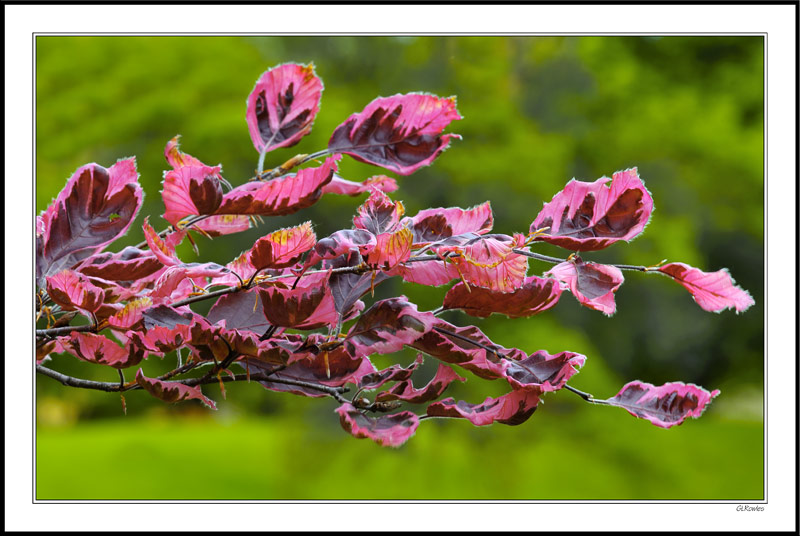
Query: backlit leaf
(406, 392)
(593, 285)
(513, 408)
(282, 106)
(401, 133)
(666, 405)
(172, 391)
(713, 291)
(342, 186)
(535, 295)
(282, 248)
(587, 216)
(72, 290)
(386, 430)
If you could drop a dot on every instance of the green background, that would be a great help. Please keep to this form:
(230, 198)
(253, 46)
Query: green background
(538, 111)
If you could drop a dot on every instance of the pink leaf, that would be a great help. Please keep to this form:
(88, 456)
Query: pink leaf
(281, 196)
(666, 405)
(223, 224)
(391, 249)
(535, 295)
(130, 315)
(96, 207)
(587, 216)
(379, 214)
(386, 430)
(191, 191)
(282, 106)
(72, 290)
(714, 291)
(161, 339)
(513, 408)
(344, 187)
(593, 285)
(401, 133)
(282, 248)
(163, 248)
(541, 372)
(103, 351)
(405, 390)
(489, 262)
(178, 159)
(387, 326)
(433, 273)
(172, 391)
(435, 224)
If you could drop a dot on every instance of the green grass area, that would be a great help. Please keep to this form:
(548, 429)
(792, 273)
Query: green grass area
(562, 453)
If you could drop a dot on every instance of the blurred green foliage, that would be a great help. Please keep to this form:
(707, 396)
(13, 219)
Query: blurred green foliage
(687, 111)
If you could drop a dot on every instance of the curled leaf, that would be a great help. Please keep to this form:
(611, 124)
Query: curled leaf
(386, 430)
(130, 264)
(72, 290)
(281, 196)
(714, 291)
(103, 351)
(593, 285)
(513, 408)
(401, 133)
(666, 405)
(344, 187)
(282, 248)
(379, 214)
(387, 326)
(172, 391)
(534, 296)
(406, 392)
(434, 224)
(282, 106)
(587, 216)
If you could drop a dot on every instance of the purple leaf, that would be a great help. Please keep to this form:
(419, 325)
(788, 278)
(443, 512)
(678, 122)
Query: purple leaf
(535, 295)
(587, 216)
(542, 372)
(666, 405)
(387, 326)
(172, 391)
(593, 285)
(348, 288)
(714, 291)
(405, 390)
(513, 408)
(340, 243)
(489, 262)
(241, 311)
(95, 208)
(282, 106)
(130, 264)
(386, 430)
(308, 306)
(283, 248)
(375, 380)
(401, 133)
(72, 290)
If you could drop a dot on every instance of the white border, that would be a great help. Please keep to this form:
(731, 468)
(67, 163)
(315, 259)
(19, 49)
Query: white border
(775, 20)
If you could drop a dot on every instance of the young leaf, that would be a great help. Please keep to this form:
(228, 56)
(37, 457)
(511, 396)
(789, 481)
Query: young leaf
(386, 430)
(131, 315)
(282, 106)
(542, 372)
(593, 285)
(405, 390)
(340, 243)
(191, 188)
(387, 326)
(714, 291)
(96, 207)
(401, 133)
(513, 408)
(666, 405)
(587, 216)
(535, 295)
(282, 248)
(161, 339)
(281, 196)
(172, 391)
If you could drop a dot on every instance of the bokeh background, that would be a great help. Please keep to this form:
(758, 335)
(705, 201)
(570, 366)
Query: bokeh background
(538, 111)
